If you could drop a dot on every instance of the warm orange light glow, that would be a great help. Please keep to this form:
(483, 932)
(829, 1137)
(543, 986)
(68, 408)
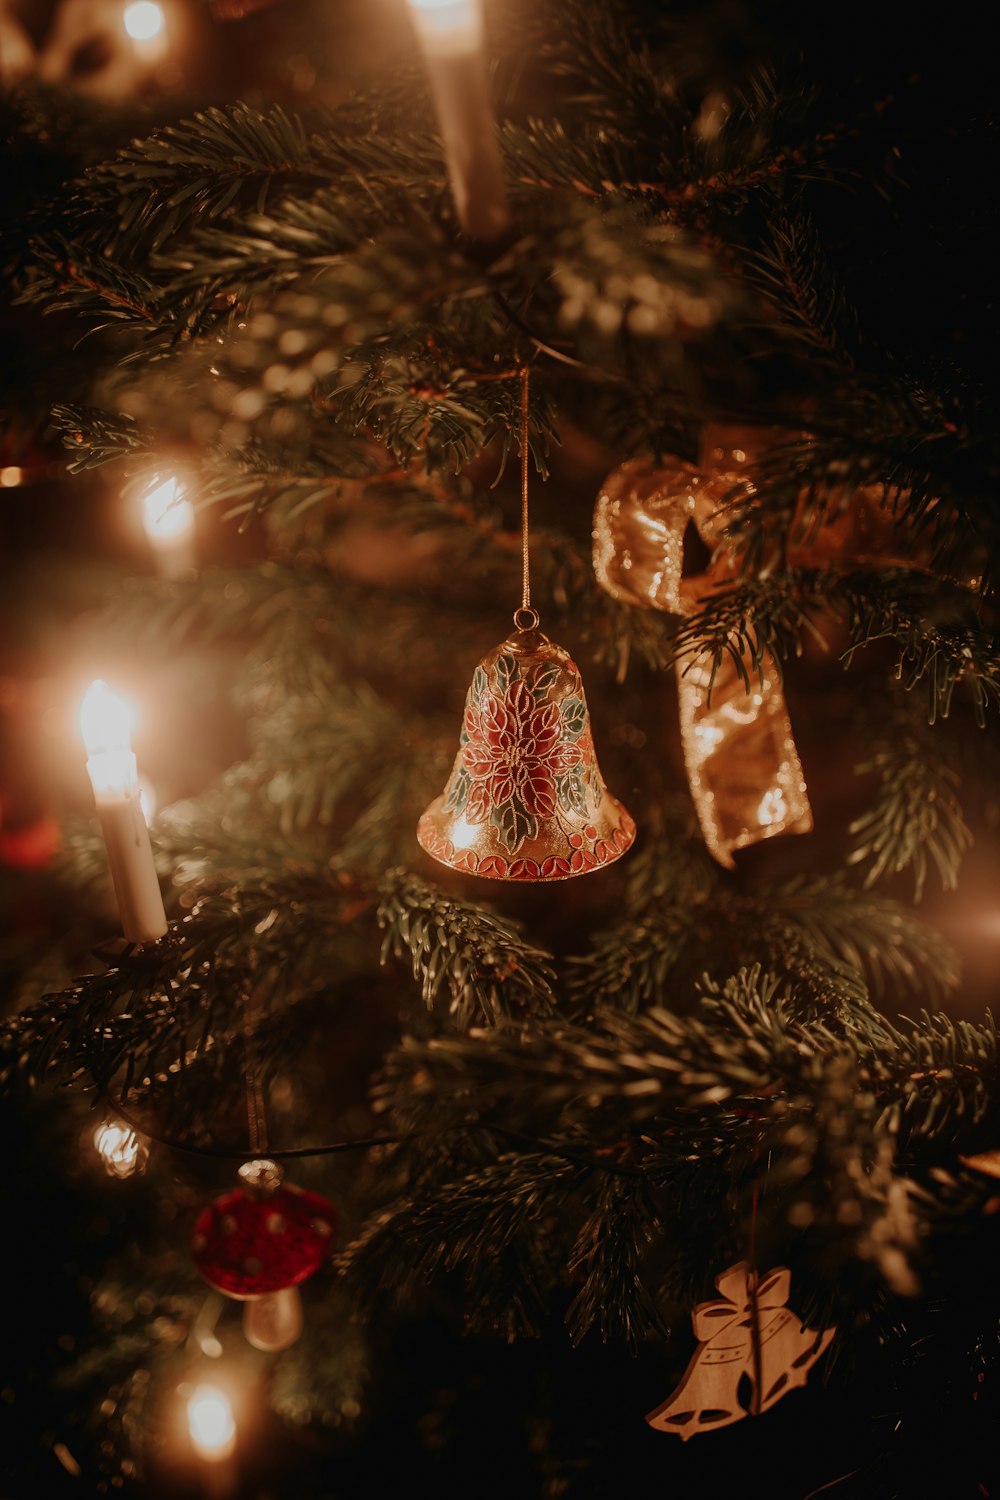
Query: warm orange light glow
(143, 20)
(148, 800)
(106, 720)
(166, 515)
(211, 1423)
(450, 26)
(106, 725)
(119, 1148)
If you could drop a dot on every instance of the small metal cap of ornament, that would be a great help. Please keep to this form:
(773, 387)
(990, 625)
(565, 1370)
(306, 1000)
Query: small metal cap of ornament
(749, 1335)
(526, 799)
(257, 1243)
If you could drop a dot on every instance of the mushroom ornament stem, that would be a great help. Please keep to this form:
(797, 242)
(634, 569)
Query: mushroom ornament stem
(257, 1243)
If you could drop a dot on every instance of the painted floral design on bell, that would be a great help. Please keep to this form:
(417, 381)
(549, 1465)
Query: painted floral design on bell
(516, 747)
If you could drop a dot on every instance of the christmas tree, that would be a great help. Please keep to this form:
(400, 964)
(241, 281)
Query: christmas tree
(668, 331)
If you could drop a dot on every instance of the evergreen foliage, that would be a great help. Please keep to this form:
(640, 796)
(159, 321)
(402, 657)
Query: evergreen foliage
(571, 1109)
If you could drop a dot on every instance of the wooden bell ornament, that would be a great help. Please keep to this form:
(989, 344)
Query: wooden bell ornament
(752, 1350)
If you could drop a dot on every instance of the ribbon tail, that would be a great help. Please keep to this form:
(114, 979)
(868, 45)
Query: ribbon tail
(742, 764)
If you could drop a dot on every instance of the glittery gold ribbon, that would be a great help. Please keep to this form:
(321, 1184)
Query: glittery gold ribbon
(742, 765)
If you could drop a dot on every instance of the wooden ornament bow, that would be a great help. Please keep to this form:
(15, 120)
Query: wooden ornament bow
(742, 765)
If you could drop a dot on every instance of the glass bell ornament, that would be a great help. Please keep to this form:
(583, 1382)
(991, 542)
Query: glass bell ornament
(258, 1243)
(526, 799)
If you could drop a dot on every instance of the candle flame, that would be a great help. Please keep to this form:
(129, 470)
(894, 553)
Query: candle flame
(106, 720)
(143, 20)
(211, 1423)
(165, 512)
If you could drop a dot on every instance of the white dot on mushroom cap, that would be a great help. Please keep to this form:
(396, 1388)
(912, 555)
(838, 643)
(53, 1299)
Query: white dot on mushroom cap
(275, 1224)
(321, 1226)
(228, 1225)
(198, 1243)
(251, 1264)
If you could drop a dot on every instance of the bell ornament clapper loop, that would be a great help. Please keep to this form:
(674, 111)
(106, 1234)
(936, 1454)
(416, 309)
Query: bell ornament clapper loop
(526, 799)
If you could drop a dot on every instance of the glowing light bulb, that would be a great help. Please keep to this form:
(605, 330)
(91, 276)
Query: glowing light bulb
(143, 20)
(772, 807)
(168, 521)
(448, 26)
(120, 1149)
(165, 512)
(273, 1322)
(106, 720)
(211, 1423)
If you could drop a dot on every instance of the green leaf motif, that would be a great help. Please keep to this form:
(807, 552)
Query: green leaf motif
(571, 794)
(458, 793)
(514, 825)
(505, 669)
(545, 680)
(574, 717)
(480, 687)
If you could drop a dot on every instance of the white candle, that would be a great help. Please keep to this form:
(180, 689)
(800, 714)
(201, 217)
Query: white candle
(105, 723)
(211, 1424)
(168, 520)
(452, 37)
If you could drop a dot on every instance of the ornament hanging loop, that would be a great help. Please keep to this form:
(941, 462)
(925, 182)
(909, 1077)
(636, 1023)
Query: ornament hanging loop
(526, 618)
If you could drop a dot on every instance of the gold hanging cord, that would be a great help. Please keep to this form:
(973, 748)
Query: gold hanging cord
(525, 618)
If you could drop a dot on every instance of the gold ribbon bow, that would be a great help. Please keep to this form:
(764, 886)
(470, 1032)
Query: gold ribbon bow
(742, 765)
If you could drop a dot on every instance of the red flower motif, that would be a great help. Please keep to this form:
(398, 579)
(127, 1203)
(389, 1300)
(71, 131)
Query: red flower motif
(515, 749)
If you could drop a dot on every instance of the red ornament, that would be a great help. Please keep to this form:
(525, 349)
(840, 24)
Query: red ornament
(30, 847)
(262, 1237)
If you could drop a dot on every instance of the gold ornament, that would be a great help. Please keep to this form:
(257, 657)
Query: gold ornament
(526, 799)
(749, 1332)
(743, 768)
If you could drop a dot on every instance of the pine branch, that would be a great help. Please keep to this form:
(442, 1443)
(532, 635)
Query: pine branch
(609, 1254)
(95, 437)
(794, 275)
(939, 638)
(463, 954)
(886, 942)
(916, 817)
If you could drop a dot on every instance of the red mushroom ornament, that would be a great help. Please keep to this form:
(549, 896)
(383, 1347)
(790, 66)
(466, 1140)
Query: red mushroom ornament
(257, 1243)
